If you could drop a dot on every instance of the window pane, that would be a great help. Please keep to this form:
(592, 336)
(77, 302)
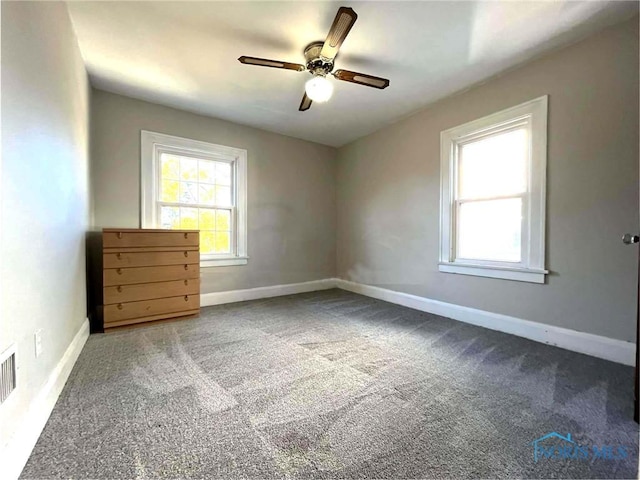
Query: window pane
(188, 168)
(207, 194)
(207, 242)
(223, 220)
(189, 218)
(206, 171)
(490, 230)
(169, 191)
(223, 173)
(494, 166)
(223, 196)
(207, 219)
(223, 242)
(188, 192)
(170, 166)
(169, 217)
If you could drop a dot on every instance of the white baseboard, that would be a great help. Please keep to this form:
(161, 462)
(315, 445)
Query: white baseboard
(231, 296)
(16, 453)
(595, 345)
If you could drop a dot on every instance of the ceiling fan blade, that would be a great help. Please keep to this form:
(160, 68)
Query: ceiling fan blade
(263, 62)
(345, 18)
(361, 79)
(305, 104)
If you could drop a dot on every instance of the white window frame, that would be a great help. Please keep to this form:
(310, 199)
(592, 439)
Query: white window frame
(153, 144)
(531, 268)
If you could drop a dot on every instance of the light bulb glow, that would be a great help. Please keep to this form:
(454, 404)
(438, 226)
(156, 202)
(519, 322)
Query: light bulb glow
(319, 89)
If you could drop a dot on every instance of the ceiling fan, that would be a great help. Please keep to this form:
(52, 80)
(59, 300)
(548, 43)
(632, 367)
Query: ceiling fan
(320, 57)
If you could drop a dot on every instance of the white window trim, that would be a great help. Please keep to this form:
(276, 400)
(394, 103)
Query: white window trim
(531, 268)
(152, 144)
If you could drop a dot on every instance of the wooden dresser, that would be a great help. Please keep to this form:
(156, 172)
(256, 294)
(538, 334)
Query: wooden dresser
(149, 275)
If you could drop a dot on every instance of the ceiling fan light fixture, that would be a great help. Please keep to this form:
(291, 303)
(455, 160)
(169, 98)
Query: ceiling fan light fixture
(319, 89)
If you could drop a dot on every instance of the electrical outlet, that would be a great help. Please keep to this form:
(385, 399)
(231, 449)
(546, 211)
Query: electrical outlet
(38, 341)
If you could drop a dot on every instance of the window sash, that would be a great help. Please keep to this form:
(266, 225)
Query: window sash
(499, 129)
(524, 233)
(233, 186)
(196, 156)
(233, 229)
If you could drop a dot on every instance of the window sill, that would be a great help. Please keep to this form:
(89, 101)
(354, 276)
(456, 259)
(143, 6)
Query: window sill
(223, 262)
(504, 273)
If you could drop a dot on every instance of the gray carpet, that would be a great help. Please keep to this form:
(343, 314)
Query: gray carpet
(332, 385)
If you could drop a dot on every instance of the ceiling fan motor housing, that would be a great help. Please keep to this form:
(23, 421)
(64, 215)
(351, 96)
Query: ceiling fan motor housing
(316, 64)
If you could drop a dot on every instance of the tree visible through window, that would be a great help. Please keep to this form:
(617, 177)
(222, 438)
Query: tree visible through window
(194, 185)
(196, 194)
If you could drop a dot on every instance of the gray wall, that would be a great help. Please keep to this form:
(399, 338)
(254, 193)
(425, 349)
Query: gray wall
(44, 195)
(388, 192)
(291, 189)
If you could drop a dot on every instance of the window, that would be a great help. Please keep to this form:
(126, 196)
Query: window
(493, 195)
(187, 184)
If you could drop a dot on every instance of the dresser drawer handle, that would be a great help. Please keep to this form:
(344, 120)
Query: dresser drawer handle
(119, 271)
(118, 256)
(186, 298)
(119, 306)
(119, 235)
(186, 282)
(186, 235)
(186, 267)
(119, 289)
(186, 254)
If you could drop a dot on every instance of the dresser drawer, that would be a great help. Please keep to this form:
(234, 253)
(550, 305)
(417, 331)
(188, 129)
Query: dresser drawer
(150, 308)
(126, 276)
(144, 259)
(149, 291)
(140, 238)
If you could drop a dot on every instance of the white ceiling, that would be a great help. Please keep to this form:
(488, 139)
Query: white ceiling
(184, 54)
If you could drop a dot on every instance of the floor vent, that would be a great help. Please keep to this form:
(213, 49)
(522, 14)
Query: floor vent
(7, 373)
